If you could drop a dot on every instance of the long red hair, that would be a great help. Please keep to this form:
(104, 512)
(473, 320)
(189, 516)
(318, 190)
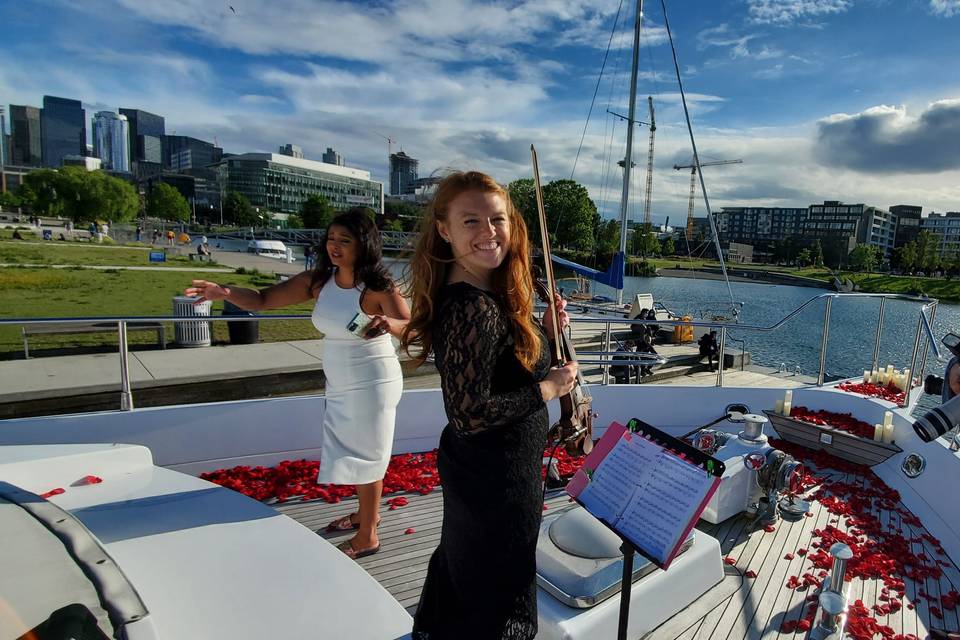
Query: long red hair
(430, 265)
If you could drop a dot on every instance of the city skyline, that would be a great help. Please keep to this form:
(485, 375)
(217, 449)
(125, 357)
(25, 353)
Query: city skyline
(823, 99)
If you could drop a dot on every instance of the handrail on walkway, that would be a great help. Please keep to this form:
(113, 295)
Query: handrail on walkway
(923, 328)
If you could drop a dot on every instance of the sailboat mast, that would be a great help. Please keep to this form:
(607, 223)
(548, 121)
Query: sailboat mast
(628, 160)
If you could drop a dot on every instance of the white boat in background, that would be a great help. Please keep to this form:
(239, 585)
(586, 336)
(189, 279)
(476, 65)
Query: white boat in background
(268, 248)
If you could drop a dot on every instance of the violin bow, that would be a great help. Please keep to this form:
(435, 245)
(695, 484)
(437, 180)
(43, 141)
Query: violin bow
(547, 261)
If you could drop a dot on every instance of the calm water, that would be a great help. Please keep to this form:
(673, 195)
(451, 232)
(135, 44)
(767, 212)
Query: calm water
(852, 323)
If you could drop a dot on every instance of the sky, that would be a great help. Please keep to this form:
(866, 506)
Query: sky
(851, 100)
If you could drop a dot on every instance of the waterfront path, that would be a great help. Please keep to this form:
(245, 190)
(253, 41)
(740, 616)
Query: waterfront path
(91, 382)
(108, 267)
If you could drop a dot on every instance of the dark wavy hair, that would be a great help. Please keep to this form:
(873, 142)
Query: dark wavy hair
(368, 269)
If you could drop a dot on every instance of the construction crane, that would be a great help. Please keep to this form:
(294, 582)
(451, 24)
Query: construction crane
(693, 186)
(390, 142)
(647, 218)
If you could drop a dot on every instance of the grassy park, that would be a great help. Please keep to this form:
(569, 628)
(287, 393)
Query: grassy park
(76, 291)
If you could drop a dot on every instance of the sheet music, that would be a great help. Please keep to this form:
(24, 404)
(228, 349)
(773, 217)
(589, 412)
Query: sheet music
(647, 494)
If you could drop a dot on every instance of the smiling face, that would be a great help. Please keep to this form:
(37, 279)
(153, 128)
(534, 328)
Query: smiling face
(342, 247)
(477, 227)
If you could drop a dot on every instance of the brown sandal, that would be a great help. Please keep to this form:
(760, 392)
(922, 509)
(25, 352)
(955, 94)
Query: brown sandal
(346, 523)
(353, 554)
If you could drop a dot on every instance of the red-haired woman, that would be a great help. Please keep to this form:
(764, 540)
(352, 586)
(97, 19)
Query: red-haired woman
(472, 299)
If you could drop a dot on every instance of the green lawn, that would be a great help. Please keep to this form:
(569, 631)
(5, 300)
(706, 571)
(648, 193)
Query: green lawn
(16, 252)
(79, 292)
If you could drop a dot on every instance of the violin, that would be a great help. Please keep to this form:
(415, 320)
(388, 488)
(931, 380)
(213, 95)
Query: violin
(574, 430)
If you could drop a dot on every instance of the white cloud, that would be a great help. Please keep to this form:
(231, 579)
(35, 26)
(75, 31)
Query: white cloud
(785, 12)
(946, 8)
(738, 46)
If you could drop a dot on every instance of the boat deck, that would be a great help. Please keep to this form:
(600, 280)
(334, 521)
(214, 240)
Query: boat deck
(757, 607)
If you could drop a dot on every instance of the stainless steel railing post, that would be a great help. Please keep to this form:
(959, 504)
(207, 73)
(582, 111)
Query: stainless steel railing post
(126, 395)
(723, 344)
(606, 348)
(913, 359)
(926, 345)
(823, 341)
(876, 346)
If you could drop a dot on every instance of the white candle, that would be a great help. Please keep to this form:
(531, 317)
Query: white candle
(866, 376)
(888, 433)
(778, 407)
(786, 408)
(878, 432)
(787, 396)
(887, 419)
(908, 380)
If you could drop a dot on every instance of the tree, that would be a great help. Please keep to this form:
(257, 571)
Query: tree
(668, 247)
(570, 214)
(816, 253)
(8, 199)
(316, 212)
(294, 222)
(607, 233)
(39, 192)
(645, 242)
(166, 203)
(804, 257)
(393, 225)
(907, 256)
(864, 257)
(928, 251)
(238, 210)
(80, 195)
(524, 198)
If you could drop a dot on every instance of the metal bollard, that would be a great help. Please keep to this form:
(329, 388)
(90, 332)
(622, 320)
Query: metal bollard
(833, 607)
(841, 555)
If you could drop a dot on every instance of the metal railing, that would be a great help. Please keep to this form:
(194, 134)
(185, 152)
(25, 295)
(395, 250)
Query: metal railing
(605, 359)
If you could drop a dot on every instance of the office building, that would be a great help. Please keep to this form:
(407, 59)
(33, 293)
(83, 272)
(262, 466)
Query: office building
(111, 141)
(281, 183)
(908, 223)
(292, 150)
(403, 173)
(946, 228)
(752, 225)
(26, 141)
(332, 157)
(183, 152)
(63, 130)
(853, 224)
(146, 131)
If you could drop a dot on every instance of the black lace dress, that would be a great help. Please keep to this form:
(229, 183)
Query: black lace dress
(481, 581)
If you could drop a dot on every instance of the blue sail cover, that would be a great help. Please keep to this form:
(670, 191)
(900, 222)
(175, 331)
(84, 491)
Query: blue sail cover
(612, 277)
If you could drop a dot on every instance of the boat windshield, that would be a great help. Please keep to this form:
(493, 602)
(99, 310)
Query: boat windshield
(44, 590)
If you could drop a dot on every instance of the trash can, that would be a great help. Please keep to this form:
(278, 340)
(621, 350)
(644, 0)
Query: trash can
(241, 332)
(191, 334)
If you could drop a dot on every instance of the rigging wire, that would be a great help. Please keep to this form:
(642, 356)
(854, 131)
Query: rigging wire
(696, 161)
(606, 53)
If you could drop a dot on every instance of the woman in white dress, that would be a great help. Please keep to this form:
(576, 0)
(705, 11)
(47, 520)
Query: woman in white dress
(363, 377)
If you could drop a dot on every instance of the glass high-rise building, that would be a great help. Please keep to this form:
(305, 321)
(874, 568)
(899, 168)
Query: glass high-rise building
(403, 173)
(184, 152)
(111, 141)
(332, 157)
(63, 129)
(281, 183)
(146, 131)
(26, 148)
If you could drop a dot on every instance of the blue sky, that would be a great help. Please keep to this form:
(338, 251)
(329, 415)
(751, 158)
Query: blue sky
(856, 100)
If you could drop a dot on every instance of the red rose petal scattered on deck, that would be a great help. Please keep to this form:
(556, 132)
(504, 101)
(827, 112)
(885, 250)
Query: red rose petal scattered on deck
(789, 556)
(90, 480)
(769, 528)
(52, 492)
(788, 626)
(803, 625)
(410, 530)
(750, 574)
(729, 560)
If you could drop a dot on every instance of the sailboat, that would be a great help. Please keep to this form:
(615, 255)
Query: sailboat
(110, 531)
